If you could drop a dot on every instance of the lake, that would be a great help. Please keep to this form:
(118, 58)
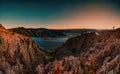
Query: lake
(50, 44)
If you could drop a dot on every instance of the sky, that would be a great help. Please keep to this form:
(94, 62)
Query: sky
(60, 14)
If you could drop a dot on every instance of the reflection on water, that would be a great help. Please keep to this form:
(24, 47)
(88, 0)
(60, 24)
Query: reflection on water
(50, 44)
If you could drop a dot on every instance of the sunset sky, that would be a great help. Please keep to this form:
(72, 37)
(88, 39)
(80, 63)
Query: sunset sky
(60, 14)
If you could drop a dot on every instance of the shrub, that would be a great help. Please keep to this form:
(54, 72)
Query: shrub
(73, 50)
(86, 70)
(39, 61)
(0, 40)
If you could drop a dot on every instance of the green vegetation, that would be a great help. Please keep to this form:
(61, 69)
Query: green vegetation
(39, 61)
(0, 40)
(21, 41)
(86, 70)
(73, 50)
(48, 53)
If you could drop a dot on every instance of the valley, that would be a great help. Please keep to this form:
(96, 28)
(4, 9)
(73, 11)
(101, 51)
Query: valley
(88, 53)
(59, 36)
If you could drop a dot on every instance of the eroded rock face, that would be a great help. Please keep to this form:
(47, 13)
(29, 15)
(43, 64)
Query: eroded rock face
(88, 54)
(68, 65)
(18, 54)
(77, 46)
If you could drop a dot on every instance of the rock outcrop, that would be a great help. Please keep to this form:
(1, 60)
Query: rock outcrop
(18, 54)
(90, 53)
(77, 46)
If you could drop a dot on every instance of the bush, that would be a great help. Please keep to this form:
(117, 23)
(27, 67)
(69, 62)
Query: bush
(86, 70)
(39, 61)
(0, 40)
(73, 50)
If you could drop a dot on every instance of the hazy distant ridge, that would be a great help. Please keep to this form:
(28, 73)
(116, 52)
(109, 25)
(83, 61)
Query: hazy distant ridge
(46, 33)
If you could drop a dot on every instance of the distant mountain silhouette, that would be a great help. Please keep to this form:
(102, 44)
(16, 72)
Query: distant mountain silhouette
(39, 32)
(46, 33)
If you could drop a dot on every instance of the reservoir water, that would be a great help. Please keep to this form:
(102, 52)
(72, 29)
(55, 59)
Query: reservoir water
(50, 44)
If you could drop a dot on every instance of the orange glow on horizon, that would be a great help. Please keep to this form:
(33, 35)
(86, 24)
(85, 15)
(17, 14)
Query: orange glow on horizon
(94, 16)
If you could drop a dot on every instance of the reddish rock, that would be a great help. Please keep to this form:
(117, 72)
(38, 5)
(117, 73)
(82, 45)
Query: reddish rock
(18, 54)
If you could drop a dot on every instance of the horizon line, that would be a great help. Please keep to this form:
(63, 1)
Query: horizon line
(58, 28)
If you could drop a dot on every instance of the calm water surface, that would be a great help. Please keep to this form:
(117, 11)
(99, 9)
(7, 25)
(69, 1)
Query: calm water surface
(50, 44)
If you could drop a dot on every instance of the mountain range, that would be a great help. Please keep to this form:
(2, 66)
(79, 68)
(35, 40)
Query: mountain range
(52, 33)
(89, 53)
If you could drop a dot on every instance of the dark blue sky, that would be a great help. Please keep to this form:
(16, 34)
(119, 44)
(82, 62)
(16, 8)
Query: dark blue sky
(40, 13)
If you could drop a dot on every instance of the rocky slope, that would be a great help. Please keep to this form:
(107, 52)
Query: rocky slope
(90, 53)
(18, 54)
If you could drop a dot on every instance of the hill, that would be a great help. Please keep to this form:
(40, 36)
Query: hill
(90, 53)
(18, 54)
(51, 33)
(38, 32)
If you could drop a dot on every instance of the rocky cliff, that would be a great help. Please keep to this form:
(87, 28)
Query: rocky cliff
(90, 53)
(18, 54)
